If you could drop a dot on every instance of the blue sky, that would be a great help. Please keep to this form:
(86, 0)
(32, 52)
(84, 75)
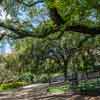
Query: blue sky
(5, 47)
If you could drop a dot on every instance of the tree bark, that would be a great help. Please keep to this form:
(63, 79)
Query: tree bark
(55, 16)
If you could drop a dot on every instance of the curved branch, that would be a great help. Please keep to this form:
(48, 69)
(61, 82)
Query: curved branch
(58, 20)
(35, 33)
(24, 33)
(31, 4)
(83, 29)
(2, 35)
(55, 16)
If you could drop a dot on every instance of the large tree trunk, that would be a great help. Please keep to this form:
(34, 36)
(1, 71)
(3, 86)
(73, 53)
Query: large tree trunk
(74, 82)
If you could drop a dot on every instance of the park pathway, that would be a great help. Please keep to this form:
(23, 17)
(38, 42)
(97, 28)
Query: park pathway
(25, 93)
(39, 92)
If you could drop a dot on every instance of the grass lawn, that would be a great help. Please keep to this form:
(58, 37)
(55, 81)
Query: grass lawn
(8, 86)
(58, 89)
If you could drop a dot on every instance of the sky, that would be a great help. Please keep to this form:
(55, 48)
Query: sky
(5, 47)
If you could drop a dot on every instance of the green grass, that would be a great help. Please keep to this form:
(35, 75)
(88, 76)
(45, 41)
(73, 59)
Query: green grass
(8, 86)
(61, 89)
(90, 86)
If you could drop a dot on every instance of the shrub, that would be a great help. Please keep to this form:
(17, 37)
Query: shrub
(27, 77)
(8, 86)
(43, 78)
(89, 86)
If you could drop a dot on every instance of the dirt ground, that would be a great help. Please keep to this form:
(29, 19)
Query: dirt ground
(39, 92)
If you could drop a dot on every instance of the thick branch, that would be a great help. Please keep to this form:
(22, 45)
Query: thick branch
(2, 35)
(55, 16)
(58, 20)
(74, 28)
(83, 29)
(24, 33)
(30, 4)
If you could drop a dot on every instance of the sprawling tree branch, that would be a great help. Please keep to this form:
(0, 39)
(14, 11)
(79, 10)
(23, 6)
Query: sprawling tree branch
(21, 33)
(74, 28)
(83, 29)
(58, 21)
(2, 35)
(30, 4)
(55, 16)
